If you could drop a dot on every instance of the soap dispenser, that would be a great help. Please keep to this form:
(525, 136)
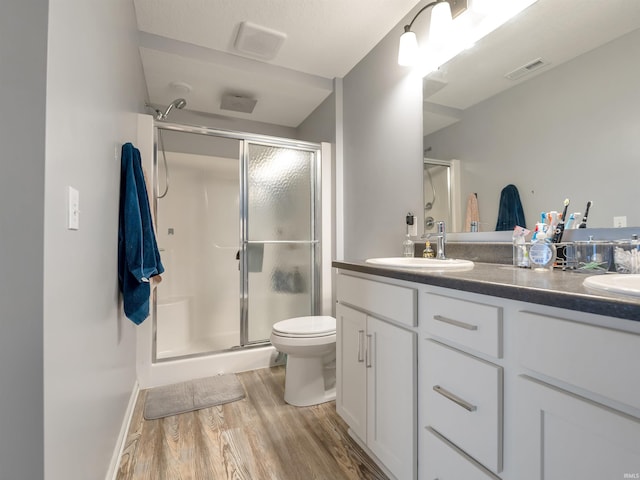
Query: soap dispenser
(428, 251)
(408, 249)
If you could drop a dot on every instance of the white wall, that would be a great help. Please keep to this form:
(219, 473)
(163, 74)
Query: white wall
(570, 132)
(382, 152)
(94, 84)
(23, 48)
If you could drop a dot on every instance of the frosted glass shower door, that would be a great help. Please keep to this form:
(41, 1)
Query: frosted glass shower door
(280, 247)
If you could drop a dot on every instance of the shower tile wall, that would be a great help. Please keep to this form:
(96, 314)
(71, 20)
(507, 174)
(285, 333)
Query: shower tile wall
(198, 228)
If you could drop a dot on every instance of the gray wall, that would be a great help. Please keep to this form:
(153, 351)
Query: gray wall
(95, 85)
(382, 151)
(320, 126)
(23, 49)
(570, 132)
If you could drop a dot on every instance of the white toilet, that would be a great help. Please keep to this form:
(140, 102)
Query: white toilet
(310, 345)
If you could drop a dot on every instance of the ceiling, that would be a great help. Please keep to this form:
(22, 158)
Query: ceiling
(555, 31)
(192, 42)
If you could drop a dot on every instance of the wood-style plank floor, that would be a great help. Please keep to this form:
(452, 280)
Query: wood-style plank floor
(258, 438)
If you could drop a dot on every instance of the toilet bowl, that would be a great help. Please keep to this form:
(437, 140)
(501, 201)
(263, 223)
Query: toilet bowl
(310, 345)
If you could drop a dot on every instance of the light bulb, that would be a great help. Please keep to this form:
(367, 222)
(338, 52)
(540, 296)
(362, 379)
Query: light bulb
(441, 24)
(408, 51)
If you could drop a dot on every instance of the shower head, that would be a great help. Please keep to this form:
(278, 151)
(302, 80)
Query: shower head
(178, 103)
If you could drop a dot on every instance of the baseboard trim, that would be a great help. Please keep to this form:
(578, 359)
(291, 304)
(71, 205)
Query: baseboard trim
(124, 430)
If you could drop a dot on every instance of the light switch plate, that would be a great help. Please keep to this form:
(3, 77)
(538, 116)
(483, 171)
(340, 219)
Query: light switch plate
(73, 212)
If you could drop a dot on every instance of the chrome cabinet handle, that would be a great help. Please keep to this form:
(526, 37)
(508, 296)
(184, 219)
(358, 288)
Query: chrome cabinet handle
(368, 364)
(360, 345)
(454, 398)
(456, 323)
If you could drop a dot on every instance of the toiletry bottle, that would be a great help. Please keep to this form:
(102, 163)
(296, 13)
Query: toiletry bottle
(408, 249)
(428, 251)
(520, 248)
(542, 254)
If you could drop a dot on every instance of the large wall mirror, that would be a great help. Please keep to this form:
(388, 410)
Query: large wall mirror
(549, 102)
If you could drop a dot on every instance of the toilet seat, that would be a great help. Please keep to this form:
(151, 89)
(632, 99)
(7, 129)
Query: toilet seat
(306, 327)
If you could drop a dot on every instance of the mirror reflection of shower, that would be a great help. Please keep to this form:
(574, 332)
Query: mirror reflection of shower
(437, 193)
(429, 204)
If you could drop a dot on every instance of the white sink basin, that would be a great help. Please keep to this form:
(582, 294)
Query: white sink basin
(615, 283)
(423, 263)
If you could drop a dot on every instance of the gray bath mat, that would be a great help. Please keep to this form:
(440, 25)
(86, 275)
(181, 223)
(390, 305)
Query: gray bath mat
(192, 395)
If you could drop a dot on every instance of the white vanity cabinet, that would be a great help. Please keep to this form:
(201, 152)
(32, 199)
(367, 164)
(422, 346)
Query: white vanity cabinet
(461, 394)
(506, 389)
(569, 418)
(563, 435)
(559, 391)
(376, 364)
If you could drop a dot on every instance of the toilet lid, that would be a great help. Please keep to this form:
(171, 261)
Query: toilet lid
(306, 326)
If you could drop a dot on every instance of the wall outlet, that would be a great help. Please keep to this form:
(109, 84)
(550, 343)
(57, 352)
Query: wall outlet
(619, 222)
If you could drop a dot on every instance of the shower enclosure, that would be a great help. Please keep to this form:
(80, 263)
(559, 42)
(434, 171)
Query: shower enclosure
(239, 235)
(441, 186)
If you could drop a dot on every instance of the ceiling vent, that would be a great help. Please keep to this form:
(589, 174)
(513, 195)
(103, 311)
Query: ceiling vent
(238, 103)
(526, 69)
(258, 41)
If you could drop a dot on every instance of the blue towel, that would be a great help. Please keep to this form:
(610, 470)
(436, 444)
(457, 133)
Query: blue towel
(510, 212)
(138, 256)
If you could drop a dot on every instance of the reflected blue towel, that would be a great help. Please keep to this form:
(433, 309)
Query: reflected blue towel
(138, 256)
(510, 212)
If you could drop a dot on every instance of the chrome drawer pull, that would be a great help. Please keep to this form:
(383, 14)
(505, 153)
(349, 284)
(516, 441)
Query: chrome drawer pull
(360, 344)
(454, 398)
(456, 323)
(368, 362)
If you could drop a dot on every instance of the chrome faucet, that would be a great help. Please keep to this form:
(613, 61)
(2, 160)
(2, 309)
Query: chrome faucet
(442, 240)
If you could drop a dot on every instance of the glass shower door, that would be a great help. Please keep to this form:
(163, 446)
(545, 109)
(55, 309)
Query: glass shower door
(280, 244)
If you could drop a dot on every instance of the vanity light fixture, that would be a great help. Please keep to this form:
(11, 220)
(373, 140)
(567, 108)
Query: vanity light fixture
(440, 25)
(447, 38)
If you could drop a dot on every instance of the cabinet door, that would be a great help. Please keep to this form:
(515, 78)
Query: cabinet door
(391, 394)
(443, 461)
(561, 435)
(351, 389)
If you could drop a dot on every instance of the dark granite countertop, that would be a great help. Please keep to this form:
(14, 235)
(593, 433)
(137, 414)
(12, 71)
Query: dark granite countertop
(552, 288)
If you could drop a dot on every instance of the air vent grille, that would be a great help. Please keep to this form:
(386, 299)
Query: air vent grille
(237, 103)
(526, 69)
(259, 41)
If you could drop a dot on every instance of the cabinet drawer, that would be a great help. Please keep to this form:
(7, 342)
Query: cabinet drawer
(597, 359)
(463, 402)
(470, 324)
(444, 461)
(382, 299)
